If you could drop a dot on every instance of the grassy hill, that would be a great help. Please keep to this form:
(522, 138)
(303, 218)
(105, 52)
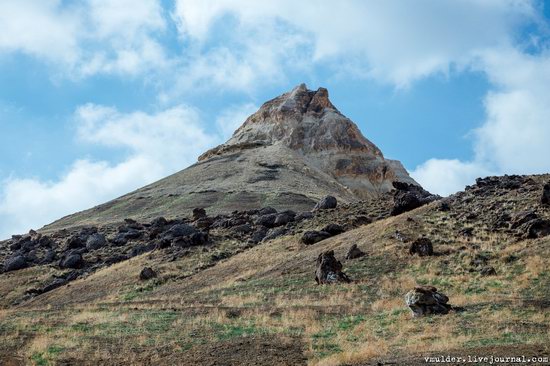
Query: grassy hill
(261, 305)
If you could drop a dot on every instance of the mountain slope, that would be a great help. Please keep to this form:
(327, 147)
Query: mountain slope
(261, 306)
(295, 149)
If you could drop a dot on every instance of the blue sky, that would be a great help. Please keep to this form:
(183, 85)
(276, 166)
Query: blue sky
(100, 97)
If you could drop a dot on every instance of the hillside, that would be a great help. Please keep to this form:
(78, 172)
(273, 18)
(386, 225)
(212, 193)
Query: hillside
(294, 150)
(234, 302)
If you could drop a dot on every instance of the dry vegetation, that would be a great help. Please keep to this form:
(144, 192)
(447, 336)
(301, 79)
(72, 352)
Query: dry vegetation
(267, 295)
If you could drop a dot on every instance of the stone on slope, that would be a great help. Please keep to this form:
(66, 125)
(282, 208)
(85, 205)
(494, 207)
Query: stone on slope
(313, 236)
(422, 247)
(329, 269)
(354, 252)
(147, 273)
(426, 300)
(326, 203)
(15, 263)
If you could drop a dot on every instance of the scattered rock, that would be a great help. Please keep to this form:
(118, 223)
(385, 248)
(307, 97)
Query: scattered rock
(354, 252)
(96, 241)
(258, 235)
(329, 269)
(267, 220)
(199, 213)
(326, 203)
(407, 197)
(312, 237)
(180, 230)
(488, 271)
(333, 229)
(274, 233)
(303, 216)
(426, 300)
(284, 218)
(15, 263)
(199, 238)
(72, 260)
(545, 199)
(422, 247)
(266, 211)
(147, 273)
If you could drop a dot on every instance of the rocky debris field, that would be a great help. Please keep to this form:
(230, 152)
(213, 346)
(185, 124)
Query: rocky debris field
(80, 251)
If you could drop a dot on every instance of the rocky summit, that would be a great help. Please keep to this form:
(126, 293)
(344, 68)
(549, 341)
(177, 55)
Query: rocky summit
(294, 150)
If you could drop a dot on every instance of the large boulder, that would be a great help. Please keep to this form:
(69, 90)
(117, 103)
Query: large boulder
(96, 241)
(180, 230)
(422, 247)
(312, 237)
(72, 260)
(147, 273)
(407, 197)
(326, 203)
(329, 269)
(284, 218)
(354, 252)
(199, 213)
(333, 229)
(545, 199)
(15, 263)
(267, 220)
(426, 300)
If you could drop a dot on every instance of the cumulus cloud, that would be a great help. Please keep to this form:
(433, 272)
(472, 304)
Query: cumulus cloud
(157, 145)
(513, 139)
(389, 41)
(86, 38)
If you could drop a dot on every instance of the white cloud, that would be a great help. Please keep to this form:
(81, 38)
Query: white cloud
(514, 137)
(85, 38)
(396, 42)
(447, 176)
(158, 144)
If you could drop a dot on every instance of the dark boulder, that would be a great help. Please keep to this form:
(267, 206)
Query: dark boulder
(75, 242)
(204, 222)
(326, 203)
(426, 300)
(407, 197)
(274, 233)
(72, 260)
(142, 248)
(266, 211)
(488, 271)
(312, 237)
(258, 235)
(421, 246)
(354, 252)
(199, 238)
(329, 269)
(199, 213)
(266, 220)
(243, 229)
(303, 216)
(333, 229)
(180, 230)
(15, 263)
(284, 218)
(159, 222)
(545, 199)
(147, 273)
(96, 241)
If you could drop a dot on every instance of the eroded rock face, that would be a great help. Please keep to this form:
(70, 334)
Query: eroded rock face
(329, 269)
(426, 300)
(306, 121)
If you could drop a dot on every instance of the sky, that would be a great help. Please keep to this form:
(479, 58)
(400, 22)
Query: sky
(100, 97)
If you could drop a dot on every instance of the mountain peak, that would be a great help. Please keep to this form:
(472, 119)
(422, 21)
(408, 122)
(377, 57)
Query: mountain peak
(305, 124)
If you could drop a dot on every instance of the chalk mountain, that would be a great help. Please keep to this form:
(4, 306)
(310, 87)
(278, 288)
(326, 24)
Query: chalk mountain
(295, 149)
